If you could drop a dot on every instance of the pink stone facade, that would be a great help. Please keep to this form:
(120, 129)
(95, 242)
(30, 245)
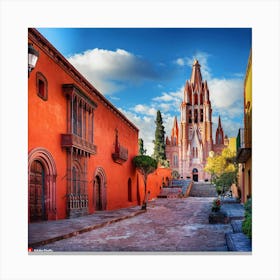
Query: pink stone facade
(191, 141)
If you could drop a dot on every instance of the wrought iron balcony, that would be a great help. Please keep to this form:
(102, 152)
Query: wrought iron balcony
(73, 141)
(120, 155)
(243, 145)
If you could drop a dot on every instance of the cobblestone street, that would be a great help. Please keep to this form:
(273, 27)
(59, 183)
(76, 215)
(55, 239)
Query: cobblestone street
(169, 225)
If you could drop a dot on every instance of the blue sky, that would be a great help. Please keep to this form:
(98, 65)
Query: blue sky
(142, 70)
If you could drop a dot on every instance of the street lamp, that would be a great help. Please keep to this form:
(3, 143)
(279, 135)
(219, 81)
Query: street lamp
(32, 58)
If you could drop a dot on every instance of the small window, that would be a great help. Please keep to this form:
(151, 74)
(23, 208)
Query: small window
(42, 86)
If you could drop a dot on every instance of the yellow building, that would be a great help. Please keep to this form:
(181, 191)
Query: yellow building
(232, 144)
(244, 139)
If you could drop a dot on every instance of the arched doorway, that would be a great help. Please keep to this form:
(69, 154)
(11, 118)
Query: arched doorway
(99, 190)
(195, 175)
(41, 186)
(98, 195)
(37, 192)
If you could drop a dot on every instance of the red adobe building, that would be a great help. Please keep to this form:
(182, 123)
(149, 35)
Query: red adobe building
(80, 147)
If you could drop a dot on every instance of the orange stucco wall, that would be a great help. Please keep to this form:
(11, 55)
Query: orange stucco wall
(47, 120)
(154, 182)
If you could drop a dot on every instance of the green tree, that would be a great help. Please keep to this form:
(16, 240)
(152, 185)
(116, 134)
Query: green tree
(145, 165)
(223, 169)
(141, 150)
(247, 223)
(159, 142)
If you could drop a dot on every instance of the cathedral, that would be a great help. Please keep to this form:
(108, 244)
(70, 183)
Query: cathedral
(191, 141)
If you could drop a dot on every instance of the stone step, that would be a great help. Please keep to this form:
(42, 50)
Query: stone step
(203, 190)
(177, 188)
(229, 200)
(170, 192)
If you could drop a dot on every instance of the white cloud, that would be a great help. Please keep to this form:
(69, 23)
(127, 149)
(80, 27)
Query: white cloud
(145, 110)
(225, 92)
(169, 101)
(229, 125)
(110, 71)
(164, 97)
(165, 107)
(180, 61)
(168, 123)
(146, 127)
(226, 96)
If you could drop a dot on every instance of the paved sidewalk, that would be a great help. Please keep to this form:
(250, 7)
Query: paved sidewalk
(169, 225)
(50, 231)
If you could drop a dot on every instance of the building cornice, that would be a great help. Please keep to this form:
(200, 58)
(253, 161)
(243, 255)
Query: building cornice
(37, 38)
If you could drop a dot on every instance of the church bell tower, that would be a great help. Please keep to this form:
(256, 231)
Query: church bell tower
(195, 139)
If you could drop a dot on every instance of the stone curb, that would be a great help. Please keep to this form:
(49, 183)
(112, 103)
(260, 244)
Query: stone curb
(237, 225)
(238, 242)
(83, 230)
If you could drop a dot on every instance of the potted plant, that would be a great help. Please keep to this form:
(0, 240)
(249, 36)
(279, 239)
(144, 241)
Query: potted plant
(216, 205)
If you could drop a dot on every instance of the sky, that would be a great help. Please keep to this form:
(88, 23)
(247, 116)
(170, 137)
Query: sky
(142, 70)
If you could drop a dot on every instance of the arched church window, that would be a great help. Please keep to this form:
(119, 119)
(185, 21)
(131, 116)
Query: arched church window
(201, 115)
(219, 139)
(195, 99)
(175, 160)
(195, 116)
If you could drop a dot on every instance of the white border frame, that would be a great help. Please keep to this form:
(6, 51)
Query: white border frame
(17, 16)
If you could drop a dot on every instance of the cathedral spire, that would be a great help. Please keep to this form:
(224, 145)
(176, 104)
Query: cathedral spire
(219, 122)
(196, 78)
(175, 132)
(219, 133)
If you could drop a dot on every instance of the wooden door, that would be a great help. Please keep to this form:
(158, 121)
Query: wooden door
(37, 209)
